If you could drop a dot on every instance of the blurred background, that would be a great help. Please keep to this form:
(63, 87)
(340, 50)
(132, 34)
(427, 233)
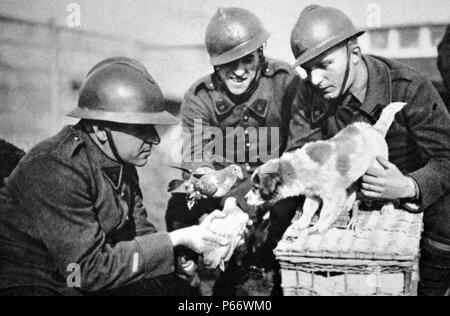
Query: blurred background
(47, 47)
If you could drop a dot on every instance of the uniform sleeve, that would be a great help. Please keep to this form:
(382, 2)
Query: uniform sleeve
(301, 129)
(290, 88)
(429, 125)
(444, 58)
(195, 122)
(140, 215)
(59, 196)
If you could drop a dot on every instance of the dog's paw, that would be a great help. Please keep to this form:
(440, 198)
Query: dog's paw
(355, 214)
(300, 224)
(313, 230)
(352, 224)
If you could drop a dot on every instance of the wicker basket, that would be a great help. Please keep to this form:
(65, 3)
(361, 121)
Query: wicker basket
(378, 258)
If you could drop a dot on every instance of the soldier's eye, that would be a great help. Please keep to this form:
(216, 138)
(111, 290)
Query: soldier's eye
(248, 59)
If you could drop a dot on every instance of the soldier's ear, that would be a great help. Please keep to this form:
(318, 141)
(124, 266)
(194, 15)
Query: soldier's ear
(100, 133)
(356, 54)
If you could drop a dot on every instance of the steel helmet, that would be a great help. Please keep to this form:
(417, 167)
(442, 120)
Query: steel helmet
(121, 90)
(233, 33)
(317, 30)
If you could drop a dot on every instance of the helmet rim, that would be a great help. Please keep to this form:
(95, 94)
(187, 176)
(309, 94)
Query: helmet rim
(311, 53)
(144, 118)
(240, 50)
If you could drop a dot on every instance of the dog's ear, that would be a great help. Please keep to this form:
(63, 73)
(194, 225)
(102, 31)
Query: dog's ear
(268, 185)
(255, 178)
(272, 166)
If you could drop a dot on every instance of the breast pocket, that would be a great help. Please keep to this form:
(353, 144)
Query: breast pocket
(112, 210)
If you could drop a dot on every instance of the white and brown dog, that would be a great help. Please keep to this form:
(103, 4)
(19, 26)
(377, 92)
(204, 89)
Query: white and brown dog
(324, 171)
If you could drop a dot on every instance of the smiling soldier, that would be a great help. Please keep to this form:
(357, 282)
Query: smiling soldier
(245, 95)
(74, 200)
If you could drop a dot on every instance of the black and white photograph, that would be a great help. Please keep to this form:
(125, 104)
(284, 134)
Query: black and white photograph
(226, 149)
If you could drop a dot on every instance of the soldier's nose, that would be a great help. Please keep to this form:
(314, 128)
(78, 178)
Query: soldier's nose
(152, 136)
(155, 141)
(239, 69)
(239, 72)
(315, 77)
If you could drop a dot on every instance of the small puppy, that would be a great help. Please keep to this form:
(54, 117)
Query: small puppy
(324, 171)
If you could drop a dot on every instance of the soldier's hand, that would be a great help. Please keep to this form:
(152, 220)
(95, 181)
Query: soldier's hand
(187, 267)
(387, 183)
(197, 238)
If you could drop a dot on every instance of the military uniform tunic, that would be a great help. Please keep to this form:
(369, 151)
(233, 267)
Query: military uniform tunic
(67, 205)
(249, 122)
(418, 140)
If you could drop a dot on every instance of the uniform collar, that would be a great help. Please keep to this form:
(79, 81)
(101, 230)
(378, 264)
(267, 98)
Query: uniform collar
(258, 103)
(112, 169)
(379, 89)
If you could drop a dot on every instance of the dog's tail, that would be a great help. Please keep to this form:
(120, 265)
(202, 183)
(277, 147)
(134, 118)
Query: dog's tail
(387, 117)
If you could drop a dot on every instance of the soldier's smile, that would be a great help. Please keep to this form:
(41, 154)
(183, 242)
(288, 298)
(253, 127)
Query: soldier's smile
(238, 79)
(238, 75)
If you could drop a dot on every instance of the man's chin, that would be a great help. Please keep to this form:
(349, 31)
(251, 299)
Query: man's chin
(237, 89)
(330, 96)
(141, 163)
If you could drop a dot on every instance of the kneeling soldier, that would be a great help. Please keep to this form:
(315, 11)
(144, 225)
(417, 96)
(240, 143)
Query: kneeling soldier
(73, 204)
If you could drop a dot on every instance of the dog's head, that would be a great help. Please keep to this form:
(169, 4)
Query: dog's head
(265, 182)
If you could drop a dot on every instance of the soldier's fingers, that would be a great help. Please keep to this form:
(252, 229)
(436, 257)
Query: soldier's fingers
(376, 172)
(371, 194)
(209, 236)
(372, 180)
(372, 187)
(210, 217)
(214, 215)
(386, 163)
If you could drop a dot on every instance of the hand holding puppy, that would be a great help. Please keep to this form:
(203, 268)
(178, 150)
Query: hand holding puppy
(388, 183)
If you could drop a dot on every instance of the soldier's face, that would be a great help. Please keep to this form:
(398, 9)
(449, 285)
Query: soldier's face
(134, 142)
(238, 74)
(326, 72)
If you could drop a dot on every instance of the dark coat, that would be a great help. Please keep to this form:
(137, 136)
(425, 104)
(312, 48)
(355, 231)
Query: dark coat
(68, 203)
(9, 158)
(268, 106)
(444, 58)
(419, 139)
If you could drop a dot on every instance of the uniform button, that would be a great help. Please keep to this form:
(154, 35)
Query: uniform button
(246, 132)
(76, 138)
(122, 194)
(247, 145)
(267, 70)
(247, 167)
(246, 118)
(211, 86)
(127, 218)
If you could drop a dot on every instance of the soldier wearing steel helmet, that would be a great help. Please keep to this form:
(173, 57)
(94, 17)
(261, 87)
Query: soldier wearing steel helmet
(343, 86)
(72, 220)
(245, 91)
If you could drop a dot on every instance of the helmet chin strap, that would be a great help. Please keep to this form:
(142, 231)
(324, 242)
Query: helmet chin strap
(347, 72)
(112, 144)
